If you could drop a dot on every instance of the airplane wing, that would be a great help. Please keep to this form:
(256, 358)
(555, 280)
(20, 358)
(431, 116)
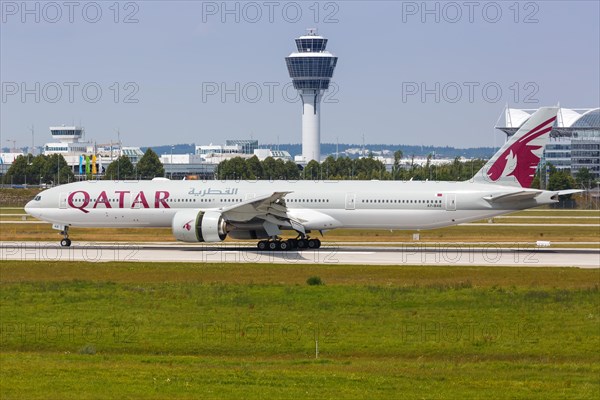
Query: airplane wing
(513, 196)
(271, 208)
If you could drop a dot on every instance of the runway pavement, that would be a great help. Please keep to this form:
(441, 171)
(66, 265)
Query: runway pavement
(426, 254)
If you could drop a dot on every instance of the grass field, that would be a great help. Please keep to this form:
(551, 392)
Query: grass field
(96, 331)
(17, 197)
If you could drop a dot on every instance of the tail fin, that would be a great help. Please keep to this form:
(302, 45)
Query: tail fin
(515, 163)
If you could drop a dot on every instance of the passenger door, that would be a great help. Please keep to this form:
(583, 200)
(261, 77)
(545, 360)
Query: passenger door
(62, 200)
(451, 202)
(350, 201)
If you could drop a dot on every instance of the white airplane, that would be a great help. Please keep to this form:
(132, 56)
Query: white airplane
(209, 211)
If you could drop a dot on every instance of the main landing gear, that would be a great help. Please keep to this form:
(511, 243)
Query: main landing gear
(65, 242)
(289, 244)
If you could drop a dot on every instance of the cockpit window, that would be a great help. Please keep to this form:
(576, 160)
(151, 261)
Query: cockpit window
(37, 198)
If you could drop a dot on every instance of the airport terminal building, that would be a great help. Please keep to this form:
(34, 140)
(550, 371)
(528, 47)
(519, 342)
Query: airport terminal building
(574, 141)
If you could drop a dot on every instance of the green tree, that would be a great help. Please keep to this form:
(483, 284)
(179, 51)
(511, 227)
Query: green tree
(55, 170)
(584, 178)
(239, 169)
(36, 168)
(45, 169)
(291, 171)
(535, 183)
(255, 167)
(273, 169)
(311, 170)
(561, 180)
(17, 173)
(150, 166)
(456, 169)
(121, 168)
(234, 168)
(370, 168)
(222, 169)
(66, 174)
(329, 168)
(398, 154)
(470, 168)
(345, 168)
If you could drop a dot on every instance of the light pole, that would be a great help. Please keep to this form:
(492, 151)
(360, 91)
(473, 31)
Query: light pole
(171, 163)
(119, 155)
(32, 141)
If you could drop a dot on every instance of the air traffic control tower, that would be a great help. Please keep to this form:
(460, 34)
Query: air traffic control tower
(311, 69)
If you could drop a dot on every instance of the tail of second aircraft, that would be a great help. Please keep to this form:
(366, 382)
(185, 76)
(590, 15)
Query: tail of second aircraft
(515, 163)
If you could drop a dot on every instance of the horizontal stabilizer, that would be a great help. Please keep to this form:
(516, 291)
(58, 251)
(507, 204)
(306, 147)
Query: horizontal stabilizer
(513, 196)
(569, 191)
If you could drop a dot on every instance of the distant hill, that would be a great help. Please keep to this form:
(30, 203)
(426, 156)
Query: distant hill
(330, 148)
(444, 152)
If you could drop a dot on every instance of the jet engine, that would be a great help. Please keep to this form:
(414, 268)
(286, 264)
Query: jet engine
(199, 226)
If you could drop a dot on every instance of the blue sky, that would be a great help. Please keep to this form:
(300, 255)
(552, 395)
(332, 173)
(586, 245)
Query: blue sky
(527, 54)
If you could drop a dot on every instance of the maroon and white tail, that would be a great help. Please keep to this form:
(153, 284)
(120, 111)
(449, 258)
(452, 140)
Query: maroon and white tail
(516, 162)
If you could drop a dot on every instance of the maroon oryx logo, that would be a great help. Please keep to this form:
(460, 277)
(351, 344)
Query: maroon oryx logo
(522, 157)
(188, 225)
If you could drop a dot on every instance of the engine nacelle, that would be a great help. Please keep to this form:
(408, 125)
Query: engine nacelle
(199, 226)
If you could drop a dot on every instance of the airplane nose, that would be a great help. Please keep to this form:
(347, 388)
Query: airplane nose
(29, 207)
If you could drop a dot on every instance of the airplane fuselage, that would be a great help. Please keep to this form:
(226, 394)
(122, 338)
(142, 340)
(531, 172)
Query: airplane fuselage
(322, 205)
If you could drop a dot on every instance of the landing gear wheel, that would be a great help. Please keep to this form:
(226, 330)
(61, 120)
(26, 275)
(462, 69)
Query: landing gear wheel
(65, 242)
(273, 246)
(293, 243)
(302, 243)
(318, 243)
(284, 245)
(313, 244)
(262, 245)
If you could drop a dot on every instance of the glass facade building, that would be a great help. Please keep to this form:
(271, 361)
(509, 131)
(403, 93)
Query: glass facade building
(574, 140)
(558, 153)
(586, 154)
(247, 145)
